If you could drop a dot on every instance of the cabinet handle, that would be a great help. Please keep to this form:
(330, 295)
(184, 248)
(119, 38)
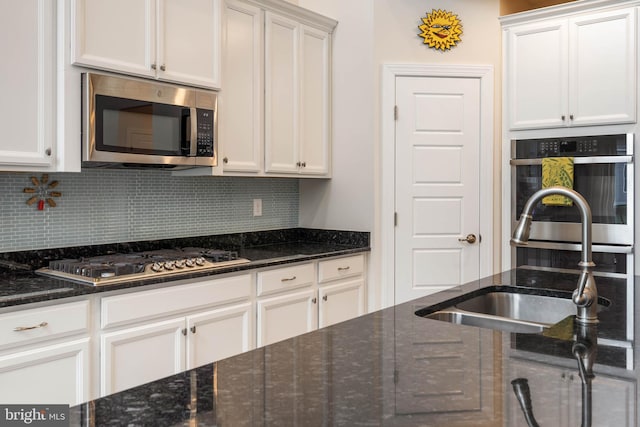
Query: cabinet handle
(324, 298)
(163, 68)
(28, 328)
(288, 279)
(343, 268)
(184, 332)
(153, 66)
(193, 329)
(314, 300)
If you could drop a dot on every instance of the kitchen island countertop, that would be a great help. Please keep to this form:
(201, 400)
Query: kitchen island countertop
(392, 368)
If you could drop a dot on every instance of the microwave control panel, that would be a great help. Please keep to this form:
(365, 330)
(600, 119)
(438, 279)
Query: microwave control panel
(205, 133)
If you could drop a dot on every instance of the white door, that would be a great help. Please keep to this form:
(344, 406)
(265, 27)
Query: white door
(437, 185)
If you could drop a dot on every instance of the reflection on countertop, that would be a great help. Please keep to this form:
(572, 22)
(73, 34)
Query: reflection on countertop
(393, 368)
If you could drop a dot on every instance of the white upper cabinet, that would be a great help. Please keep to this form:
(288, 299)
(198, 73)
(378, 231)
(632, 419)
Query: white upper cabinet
(296, 97)
(165, 39)
(275, 104)
(574, 70)
(241, 105)
(27, 105)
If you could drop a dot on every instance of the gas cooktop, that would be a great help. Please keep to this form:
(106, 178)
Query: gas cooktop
(117, 268)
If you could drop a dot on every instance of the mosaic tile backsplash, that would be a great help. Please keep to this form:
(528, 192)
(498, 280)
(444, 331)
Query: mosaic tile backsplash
(101, 206)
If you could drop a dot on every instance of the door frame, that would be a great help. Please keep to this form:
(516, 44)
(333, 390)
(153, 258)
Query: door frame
(387, 161)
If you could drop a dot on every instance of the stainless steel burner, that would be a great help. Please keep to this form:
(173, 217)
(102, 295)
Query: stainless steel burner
(107, 269)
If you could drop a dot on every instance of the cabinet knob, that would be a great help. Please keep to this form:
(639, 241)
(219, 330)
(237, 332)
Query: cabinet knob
(153, 66)
(571, 116)
(324, 298)
(163, 68)
(193, 329)
(184, 332)
(225, 160)
(303, 164)
(563, 117)
(314, 300)
(47, 151)
(298, 164)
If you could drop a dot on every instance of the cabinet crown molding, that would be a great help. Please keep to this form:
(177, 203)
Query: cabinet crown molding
(565, 9)
(302, 15)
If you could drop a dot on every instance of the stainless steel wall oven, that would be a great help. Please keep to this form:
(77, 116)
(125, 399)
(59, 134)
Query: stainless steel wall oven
(604, 175)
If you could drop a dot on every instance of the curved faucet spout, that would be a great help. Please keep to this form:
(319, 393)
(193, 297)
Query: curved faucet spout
(586, 295)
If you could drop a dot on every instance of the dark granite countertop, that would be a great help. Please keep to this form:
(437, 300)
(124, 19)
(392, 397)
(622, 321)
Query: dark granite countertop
(392, 368)
(19, 284)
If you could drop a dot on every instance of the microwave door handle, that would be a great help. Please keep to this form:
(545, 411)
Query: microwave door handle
(192, 123)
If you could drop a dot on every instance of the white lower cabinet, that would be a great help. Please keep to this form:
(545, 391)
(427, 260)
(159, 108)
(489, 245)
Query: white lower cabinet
(161, 332)
(286, 316)
(45, 355)
(342, 289)
(138, 355)
(299, 299)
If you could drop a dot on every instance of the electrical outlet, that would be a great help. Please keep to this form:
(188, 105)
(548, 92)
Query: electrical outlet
(257, 207)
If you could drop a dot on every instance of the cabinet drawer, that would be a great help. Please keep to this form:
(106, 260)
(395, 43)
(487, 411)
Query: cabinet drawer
(283, 279)
(43, 323)
(338, 268)
(136, 306)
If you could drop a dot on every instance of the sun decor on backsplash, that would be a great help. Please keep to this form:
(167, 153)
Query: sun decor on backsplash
(41, 192)
(441, 30)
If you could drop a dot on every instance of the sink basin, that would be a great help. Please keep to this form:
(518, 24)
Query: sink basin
(511, 309)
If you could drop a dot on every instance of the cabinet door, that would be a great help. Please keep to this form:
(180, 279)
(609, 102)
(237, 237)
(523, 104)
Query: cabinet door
(27, 85)
(286, 316)
(218, 334)
(314, 102)
(602, 82)
(536, 75)
(281, 94)
(340, 302)
(241, 131)
(57, 374)
(189, 41)
(138, 355)
(116, 35)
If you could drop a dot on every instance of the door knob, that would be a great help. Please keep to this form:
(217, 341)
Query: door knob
(471, 238)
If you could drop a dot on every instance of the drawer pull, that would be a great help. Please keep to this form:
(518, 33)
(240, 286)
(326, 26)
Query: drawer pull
(288, 279)
(343, 268)
(27, 328)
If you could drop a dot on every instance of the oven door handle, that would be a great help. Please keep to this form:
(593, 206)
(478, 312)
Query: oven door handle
(566, 246)
(577, 160)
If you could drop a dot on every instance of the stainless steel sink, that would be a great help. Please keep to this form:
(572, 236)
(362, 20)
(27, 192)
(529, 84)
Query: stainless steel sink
(509, 309)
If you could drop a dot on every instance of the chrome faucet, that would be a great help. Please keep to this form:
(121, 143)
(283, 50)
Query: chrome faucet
(585, 296)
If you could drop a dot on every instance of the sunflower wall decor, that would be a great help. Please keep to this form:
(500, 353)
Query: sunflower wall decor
(441, 30)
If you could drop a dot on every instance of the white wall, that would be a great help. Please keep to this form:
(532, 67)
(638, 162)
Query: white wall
(370, 34)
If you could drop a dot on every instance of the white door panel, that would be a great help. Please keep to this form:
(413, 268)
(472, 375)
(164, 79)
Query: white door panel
(437, 183)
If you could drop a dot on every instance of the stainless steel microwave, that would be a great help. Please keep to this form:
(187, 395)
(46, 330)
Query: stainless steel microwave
(130, 122)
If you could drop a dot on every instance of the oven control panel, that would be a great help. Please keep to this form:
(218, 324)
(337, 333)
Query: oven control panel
(586, 146)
